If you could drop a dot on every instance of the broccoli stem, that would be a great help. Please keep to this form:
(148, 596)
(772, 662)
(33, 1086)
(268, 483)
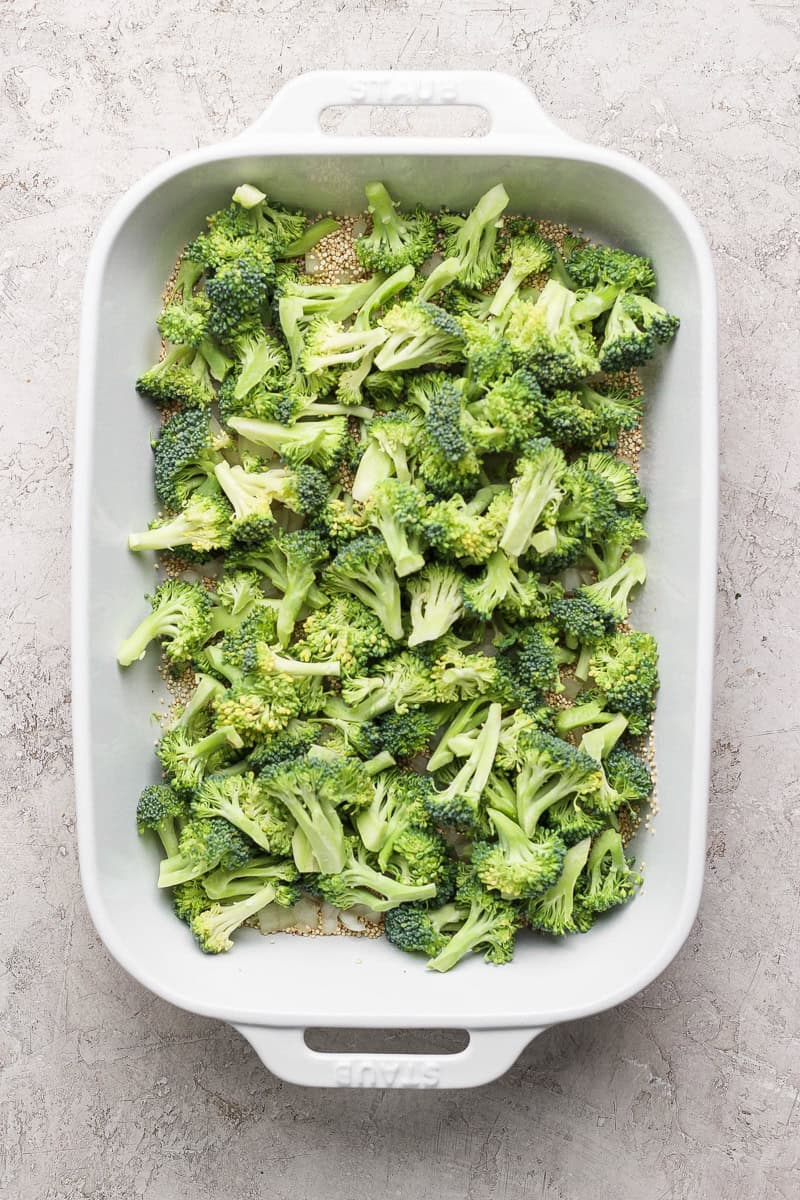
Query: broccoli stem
(308, 240)
(375, 466)
(599, 742)
(205, 691)
(476, 927)
(385, 215)
(156, 624)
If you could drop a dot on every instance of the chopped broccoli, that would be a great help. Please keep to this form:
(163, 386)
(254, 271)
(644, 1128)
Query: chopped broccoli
(490, 924)
(473, 239)
(203, 524)
(558, 910)
(610, 879)
(419, 929)
(364, 568)
(545, 337)
(397, 239)
(517, 866)
(203, 845)
(635, 326)
(320, 443)
(162, 810)
(180, 617)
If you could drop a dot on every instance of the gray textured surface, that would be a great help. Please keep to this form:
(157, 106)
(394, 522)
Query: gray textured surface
(689, 1091)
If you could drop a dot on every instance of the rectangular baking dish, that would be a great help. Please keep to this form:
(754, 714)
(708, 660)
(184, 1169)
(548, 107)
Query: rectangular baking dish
(273, 990)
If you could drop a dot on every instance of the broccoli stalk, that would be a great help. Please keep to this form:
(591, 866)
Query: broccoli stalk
(180, 617)
(490, 924)
(161, 809)
(360, 883)
(436, 603)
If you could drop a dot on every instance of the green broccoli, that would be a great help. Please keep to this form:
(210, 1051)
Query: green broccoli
(185, 762)
(517, 866)
(202, 524)
(359, 882)
(436, 602)
(536, 494)
(419, 929)
(185, 455)
(610, 879)
(635, 327)
(162, 810)
(458, 806)
(419, 335)
(559, 910)
(320, 443)
(545, 337)
(490, 924)
(364, 569)
(550, 769)
(397, 239)
(473, 239)
(397, 511)
(180, 617)
(203, 845)
(528, 254)
(346, 631)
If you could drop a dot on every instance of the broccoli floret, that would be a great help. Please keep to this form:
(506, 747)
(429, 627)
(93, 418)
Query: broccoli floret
(239, 292)
(583, 623)
(535, 493)
(184, 456)
(162, 810)
(312, 790)
(571, 822)
(261, 359)
(473, 239)
(625, 668)
(291, 562)
(601, 273)
(189, 899)
(464, 721)
(397, 239)
(588, 507)
(634, 328)
(335, 301)
(403, 735)
(527, 254)
(391, 438)
(419, 855)
(183, 377)
(544, 336)
(458, 806)
(490, 925)
(396, 510)
(194, 715)
(517, 866)
(515, 593)
(185, 762)
(508, 414)
(203, 845)
(610, 879)
(252, 493)
(436, 602)
(529, 668)
(610, 595)
(488, 354)
(398, 802)
(358, 882)
(257, 705)
(275, 224)
(180, 617)
(460, 676)
(238, 799)
(558, 911)
(607, 555)
(283, 747)
(329, 344)
(214, 926)
(419, 335)
(629, 775)
(401, 682)
(320, 443)
(468, 529)
(203, 524)
(550, 769)
(243, 879)
(621, 479)
(346, 631)
(418, 929)
(365, 569)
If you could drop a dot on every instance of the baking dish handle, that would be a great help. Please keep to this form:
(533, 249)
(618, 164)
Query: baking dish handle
(511, 106)
(489, 1054)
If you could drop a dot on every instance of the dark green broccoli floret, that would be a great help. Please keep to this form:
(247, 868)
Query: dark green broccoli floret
(490, 924)
(185, 455)
(602, 273)
(189, 900)
(401, 734)
(473, 239)
(517, 866)
(508, 414)
(397, 239)
(634, 328)
(629, 775)
(419, 929)
(182, 378)
(239, 292)
(365, 569)
(162, 810)
(468, 529)
(558, 910)
(180, 617)
(529, 668)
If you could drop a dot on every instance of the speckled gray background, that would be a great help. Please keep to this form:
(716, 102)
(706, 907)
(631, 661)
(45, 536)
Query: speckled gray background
(687, 1092)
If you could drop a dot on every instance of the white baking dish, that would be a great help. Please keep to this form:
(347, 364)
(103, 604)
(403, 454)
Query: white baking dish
(274, 989)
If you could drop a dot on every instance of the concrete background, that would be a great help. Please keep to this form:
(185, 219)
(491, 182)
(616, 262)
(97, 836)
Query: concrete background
(687, 1092)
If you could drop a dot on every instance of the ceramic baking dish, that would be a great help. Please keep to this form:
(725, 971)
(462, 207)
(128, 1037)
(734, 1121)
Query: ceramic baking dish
(274, 989)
